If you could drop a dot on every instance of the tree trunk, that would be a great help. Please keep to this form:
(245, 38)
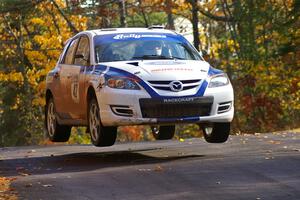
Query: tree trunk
(195, 22)
(122, 11)
(71, 26)
(102, 12)
(143, 13)
(170, 25)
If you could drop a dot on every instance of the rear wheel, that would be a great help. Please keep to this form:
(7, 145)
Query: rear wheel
(55, 131)
(100, 136)
(163, 132)
(216, 132)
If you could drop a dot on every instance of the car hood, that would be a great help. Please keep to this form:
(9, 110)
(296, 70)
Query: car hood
(164, 69)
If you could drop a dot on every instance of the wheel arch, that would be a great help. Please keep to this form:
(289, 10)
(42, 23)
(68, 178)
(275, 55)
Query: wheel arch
(91, 93)
(49, 95)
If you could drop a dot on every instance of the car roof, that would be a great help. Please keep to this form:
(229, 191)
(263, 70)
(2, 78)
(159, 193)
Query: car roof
(129, 30)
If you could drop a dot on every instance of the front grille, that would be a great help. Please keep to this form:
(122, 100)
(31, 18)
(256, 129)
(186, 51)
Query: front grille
(176, 107)
(165, 85)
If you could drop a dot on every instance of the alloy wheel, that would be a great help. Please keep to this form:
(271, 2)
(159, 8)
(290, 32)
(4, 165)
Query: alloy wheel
(51, 120)
(94, 121)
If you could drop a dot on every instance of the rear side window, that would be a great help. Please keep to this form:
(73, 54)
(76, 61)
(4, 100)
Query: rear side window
(82, 56)
(70, 52)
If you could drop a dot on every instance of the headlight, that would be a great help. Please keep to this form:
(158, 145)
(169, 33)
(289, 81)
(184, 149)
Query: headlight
(121, 83)
(218, 80)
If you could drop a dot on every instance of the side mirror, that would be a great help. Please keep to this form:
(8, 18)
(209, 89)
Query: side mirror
(82, 57)
(203, 53)
(79, 56)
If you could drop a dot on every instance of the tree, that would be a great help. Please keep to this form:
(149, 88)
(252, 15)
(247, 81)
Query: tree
(34, 32)
(195, 22)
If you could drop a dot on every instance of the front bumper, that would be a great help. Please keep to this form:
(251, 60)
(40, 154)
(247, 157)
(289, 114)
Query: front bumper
(123, 107)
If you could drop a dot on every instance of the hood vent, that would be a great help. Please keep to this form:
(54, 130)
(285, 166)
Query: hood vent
(133, 63)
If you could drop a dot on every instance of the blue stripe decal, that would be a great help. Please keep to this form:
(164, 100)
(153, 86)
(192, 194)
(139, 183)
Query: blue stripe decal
(213, 71)
(202, 89)
(100, 68)
(184, 119)
(82, 69)
(119, 72)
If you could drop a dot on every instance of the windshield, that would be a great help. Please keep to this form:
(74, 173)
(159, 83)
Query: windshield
(143, 46)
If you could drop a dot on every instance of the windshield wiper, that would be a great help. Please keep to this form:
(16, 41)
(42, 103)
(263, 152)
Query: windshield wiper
(178, 58)
(145, 57)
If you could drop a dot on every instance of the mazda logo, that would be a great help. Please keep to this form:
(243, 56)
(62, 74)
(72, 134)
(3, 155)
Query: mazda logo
(176, 86)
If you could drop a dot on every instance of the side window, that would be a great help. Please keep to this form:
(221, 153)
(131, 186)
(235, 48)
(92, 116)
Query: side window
(70, 53)
(63, 53)
(182, 52)
(82, 56)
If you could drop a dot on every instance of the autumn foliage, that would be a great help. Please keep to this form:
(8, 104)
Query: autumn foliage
(6, 192)
(255, 42)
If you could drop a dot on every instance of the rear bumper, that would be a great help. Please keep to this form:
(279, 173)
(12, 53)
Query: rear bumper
(126, 107)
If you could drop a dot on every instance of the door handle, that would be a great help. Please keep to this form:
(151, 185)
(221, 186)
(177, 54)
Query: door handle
(69, 75)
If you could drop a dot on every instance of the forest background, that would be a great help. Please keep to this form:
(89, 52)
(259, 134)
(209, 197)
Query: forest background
(257, 42)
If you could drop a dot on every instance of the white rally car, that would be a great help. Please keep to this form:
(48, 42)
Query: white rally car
(112, 77)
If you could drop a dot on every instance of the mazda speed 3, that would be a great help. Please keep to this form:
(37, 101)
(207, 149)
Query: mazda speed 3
(112, 77)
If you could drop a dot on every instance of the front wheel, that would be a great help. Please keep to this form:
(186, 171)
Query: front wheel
(163, 132)
(55, 131)
(100, 136)
(216, 132)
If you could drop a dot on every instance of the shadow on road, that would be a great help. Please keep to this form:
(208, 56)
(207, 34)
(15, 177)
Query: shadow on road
(77, 162)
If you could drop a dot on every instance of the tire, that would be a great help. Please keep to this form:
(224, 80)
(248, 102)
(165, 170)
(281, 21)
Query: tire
(163, 132)
(55, 131)
(216, 132)
(100, 136)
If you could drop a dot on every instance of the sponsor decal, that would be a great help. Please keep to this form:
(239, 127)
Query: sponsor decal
(165, 63)
(171, 69)
(137, 36)
(178, 100)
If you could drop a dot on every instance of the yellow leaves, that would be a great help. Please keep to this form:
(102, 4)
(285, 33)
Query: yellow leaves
(36, 58)
(38, 101)
(6, 192)
(47, 41)
(34, 76)
(209, 5)
(17, 103)
(182, 7)
(231, 45)
(12, 77)
(27, 45)
(79, 21)
(42, 47)
(37, 21)
(215, 49)
(270, 82)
